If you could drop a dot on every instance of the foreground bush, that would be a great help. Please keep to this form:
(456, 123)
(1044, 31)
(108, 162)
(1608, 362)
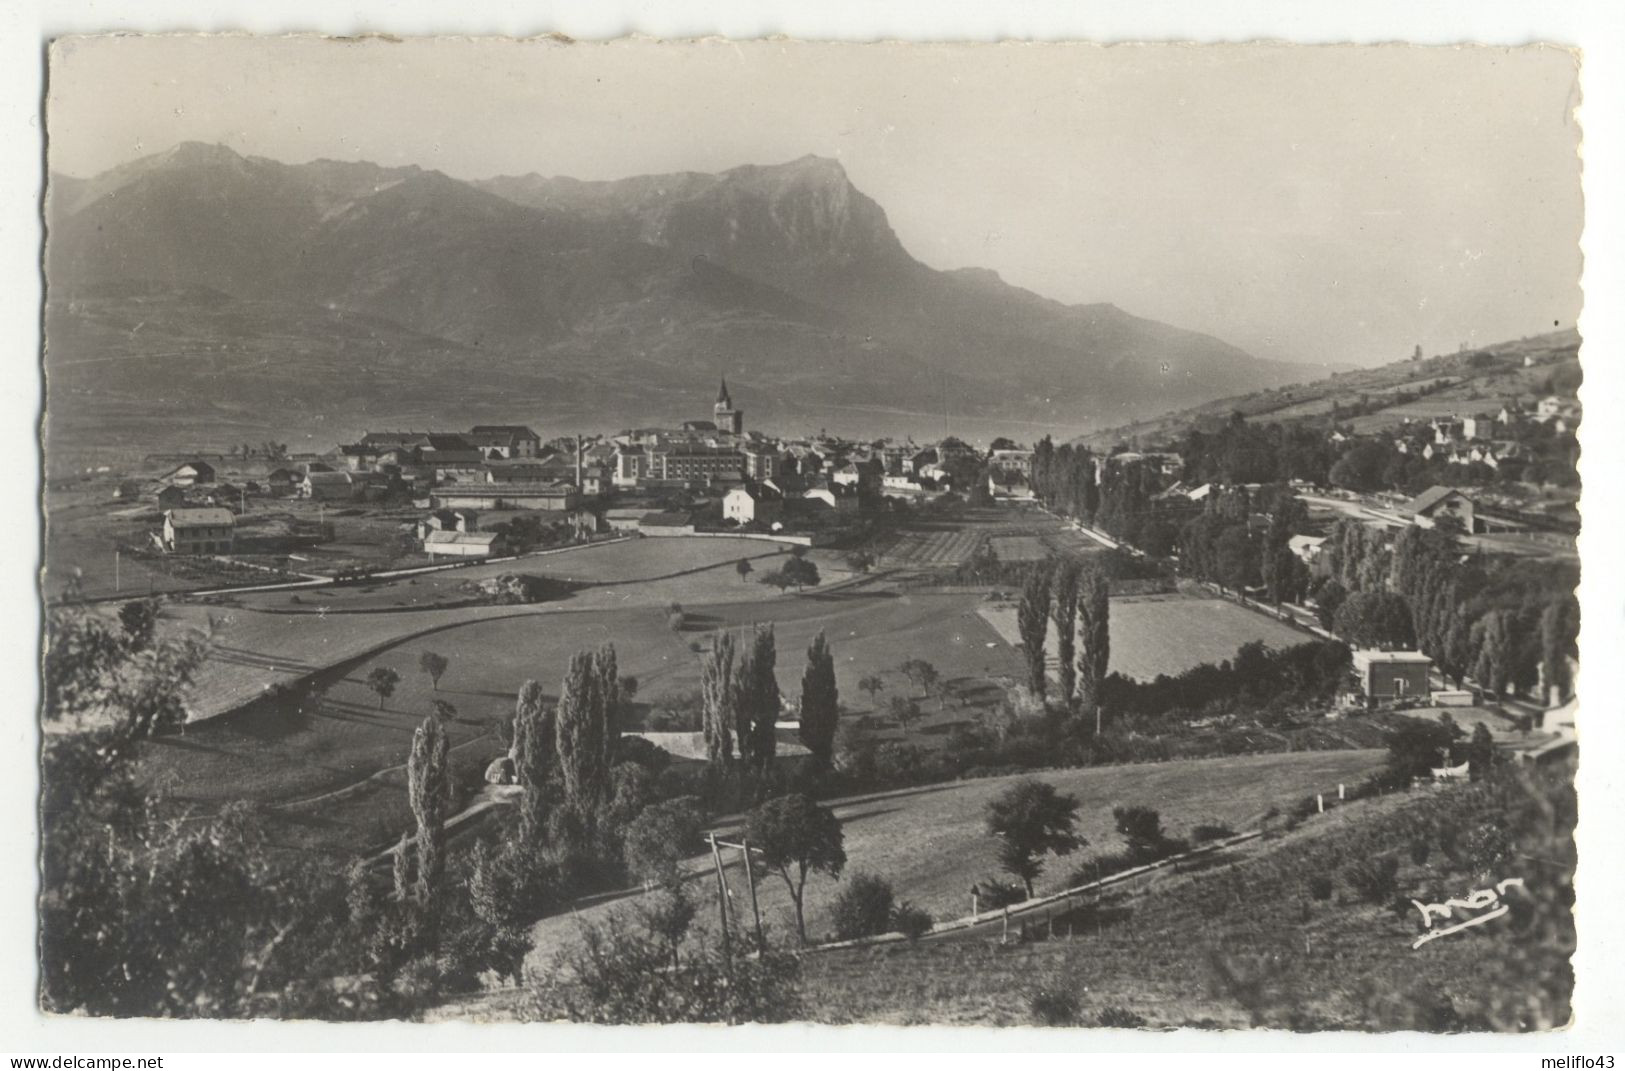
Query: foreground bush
(864, 907)
(617, 975)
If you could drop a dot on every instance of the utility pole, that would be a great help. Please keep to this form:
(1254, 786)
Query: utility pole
(722, 903)
(116, 584)
(755, 909)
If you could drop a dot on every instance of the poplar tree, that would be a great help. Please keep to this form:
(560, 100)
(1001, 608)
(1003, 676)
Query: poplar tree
(427, 784)
(534, 757)
(757, 695)
(1032, 619)
(718, 694)
(1064, 612)
(581, 733)
(1094, 635)
(820, 700)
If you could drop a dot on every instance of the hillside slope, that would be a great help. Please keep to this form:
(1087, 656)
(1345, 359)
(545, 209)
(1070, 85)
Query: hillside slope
(1479, 380)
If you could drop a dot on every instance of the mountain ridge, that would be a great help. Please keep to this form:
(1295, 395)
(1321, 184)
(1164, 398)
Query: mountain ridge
(785, 276)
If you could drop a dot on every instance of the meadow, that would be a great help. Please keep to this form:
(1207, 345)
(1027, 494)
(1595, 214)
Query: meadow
(932, 844)
(1157, 634)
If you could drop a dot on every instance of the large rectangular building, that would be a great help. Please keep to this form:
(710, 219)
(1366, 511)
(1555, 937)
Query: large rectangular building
(199, 531)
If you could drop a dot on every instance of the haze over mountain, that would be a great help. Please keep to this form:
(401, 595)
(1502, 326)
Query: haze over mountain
(202, 285)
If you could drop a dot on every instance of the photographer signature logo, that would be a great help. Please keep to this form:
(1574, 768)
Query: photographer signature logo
(1475, 909)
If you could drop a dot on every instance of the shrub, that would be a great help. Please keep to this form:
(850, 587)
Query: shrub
(1206, 832)
(864, 907)
(1420, 850)
(1053, 1007)
(1120, 1018)
(993, 894)
(1373, 880)
(910, 921)
(1320, 887)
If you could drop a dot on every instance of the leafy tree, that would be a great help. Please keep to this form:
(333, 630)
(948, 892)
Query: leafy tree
(443, 710)
(434, 665)
(1032, 620)
(1328, 595)
(1142, 828)
(1064, 613)
(1237, 559)
(860, 561)
(797, 838)
(922, 673)
(1416, 747)
(382, 680)
(1480, 752)
(719, 690)
(802, 572)
(744, 569)
(139, 618)
(661, 836)
(1377, 619)
(1559, 633)
(1094, 635)
(873, 685)
(820, 701)
(904, 711)
(1032, 819)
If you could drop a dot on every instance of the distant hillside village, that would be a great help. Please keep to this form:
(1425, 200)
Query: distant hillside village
(705, 475)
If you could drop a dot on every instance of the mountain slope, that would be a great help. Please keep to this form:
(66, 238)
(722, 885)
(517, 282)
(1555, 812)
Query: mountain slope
(786, 277)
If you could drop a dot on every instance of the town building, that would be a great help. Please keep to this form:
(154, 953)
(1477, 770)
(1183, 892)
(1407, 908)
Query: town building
(1438, 503)
(666, 523)
(1386, 676)
(445, 544)
(448, 520)
(331, 486)
(505, 441)
(199, 531)
(694, 462)
(553, 496)
(1016, 462)
(728, 418)
(751, 505)
(190, 474)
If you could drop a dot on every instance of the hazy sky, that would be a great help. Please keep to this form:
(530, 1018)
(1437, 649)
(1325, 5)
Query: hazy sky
(1316, 204)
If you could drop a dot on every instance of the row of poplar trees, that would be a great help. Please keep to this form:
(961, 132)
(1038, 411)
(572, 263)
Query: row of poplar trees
(1072, 595)
(739, 691)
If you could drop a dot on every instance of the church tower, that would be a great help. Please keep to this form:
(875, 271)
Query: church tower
(728, 418)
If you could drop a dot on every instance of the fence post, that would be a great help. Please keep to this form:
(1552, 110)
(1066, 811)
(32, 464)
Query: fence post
(1340, 790)
(1320, 803)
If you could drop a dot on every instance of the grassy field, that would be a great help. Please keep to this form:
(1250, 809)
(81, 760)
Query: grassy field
(1156, 634)
(270, 754)
(269, 638)
(932, 844)
(1246, 944)
(1026, 532)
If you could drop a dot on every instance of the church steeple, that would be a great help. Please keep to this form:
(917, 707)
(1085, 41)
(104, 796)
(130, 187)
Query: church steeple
(728, 418)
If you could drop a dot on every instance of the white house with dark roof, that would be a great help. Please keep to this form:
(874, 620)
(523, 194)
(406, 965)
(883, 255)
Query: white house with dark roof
(199, 531)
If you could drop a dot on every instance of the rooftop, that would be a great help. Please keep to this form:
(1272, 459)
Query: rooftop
(201, 518)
